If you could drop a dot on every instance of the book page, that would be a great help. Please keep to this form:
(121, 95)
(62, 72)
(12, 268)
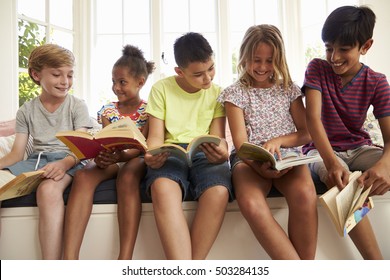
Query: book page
(173, 149)
(193, 147)
(297, 160)
(345, 198)
(359, 200)
(123, 128)
(254, 152)
(5, 177)
(328, 200)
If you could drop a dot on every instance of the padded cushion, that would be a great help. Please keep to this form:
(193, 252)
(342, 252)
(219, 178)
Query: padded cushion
(7, 128)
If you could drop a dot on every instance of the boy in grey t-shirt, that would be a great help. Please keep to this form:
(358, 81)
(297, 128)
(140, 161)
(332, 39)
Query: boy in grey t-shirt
(51, 67)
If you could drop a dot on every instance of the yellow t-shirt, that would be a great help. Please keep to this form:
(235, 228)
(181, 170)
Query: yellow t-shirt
(186, 115)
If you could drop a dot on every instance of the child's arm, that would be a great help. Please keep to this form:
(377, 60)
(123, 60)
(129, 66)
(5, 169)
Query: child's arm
(298, 138)
(214, 153)
(239, 135)
(337, 174)
(56, 170)
(379, 175)
(17, 152)
(156, 137)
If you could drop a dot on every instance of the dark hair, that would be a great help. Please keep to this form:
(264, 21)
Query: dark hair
(349, 25)
(191, 47)
(133, 58)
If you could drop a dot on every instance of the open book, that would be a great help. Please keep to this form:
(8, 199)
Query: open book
(192, 148)
(347, 207)
(15, 186)
(120, 135)
(258, 153)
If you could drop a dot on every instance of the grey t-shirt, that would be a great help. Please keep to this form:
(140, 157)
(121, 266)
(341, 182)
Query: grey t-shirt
(33, 119)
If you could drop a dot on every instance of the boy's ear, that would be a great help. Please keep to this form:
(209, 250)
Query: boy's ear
(366, 46)
(179, 71)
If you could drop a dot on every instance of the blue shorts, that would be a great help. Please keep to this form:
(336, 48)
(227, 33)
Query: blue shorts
(30, 164)
(193, 180)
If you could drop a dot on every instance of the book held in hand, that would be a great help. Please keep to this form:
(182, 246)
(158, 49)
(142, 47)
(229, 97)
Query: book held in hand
(192, 148)
(254, 152)
(120, 135)
(14, 186)
(347, 207)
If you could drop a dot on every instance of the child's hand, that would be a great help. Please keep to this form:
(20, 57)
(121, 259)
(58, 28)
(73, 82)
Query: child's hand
(54, 170)
(337, 176)
(106, 158)
(214, 153)
(266, 171)
(377, 176)
(155, 161)
(273, 146)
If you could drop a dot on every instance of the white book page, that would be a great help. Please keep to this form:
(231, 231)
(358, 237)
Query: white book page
(345, 199)
(5, 177)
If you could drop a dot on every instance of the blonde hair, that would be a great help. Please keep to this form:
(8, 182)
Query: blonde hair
(49, 55)
(270, 35)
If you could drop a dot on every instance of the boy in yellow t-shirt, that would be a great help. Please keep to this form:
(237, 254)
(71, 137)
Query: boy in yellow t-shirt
(180, 108)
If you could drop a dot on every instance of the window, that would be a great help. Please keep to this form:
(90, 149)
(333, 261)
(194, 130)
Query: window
(157, 23)
(117, 24)
(40, 22)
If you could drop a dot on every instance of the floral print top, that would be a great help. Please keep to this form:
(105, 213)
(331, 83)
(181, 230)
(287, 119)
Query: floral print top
(266, 110)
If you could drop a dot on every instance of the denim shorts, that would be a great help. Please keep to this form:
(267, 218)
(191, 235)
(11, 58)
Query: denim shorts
(38, 160)
(193, 180)
(234, 159)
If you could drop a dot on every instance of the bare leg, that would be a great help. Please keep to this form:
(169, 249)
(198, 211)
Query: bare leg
(129, 205)
(364, 239)
(171, 222)
(51, 216)
(299, 191)
(80, 204)
(251, 191)
(208, 220)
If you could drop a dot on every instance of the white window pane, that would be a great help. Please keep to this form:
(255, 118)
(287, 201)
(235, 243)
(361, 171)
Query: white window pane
(175, 15)
(140, 41)
(312, 12)
(203, 16)
(62, 38)
(333, 4)
(108, 50)
(136, 16)
(109, 16)
(34, 9)
(266, 12)
(241, 14)
(61, 13)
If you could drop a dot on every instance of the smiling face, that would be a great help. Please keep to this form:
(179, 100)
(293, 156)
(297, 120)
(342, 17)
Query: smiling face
(345, 60)
(124, 85)
(55, 82)
(196, 76)
(261, 68)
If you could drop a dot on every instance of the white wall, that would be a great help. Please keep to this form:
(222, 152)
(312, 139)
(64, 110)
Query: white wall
(8, 59)
(378, 57)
